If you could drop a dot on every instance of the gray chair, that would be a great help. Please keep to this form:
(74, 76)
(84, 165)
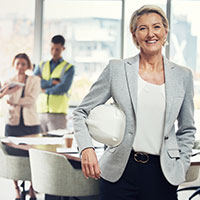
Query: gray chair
(192, 175)
(14, 168)
(53, 174)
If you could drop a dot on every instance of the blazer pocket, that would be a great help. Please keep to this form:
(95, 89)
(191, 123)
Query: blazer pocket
(173, 153)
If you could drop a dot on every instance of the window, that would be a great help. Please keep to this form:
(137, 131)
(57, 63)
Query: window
(93, 37)
(185, 43)
(16, 32)
(17, 36)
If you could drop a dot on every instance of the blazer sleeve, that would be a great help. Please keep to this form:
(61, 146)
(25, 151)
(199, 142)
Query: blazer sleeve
(99, 93)
(186, 127)
(32, 92)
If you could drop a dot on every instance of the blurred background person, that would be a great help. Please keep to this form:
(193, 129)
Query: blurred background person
(56, 79)
(22, 116)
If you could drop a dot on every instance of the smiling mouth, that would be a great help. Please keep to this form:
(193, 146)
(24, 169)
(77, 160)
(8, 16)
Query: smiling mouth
(151, 41)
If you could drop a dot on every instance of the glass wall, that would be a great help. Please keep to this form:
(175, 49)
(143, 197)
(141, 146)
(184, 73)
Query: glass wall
(185, 43)
(17, 36)
(92, 29)
(16, 32)
(93, 36)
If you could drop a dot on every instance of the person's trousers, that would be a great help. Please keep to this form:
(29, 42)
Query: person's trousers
(52, 121)
(140, 181)
(53, 197)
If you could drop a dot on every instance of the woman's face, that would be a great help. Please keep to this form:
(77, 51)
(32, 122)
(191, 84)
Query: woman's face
(21, 65)
(150, 33)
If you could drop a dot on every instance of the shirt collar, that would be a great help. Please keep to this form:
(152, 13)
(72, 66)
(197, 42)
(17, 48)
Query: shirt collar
(58, 62)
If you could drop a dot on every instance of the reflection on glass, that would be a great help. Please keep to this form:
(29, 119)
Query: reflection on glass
(92, 30)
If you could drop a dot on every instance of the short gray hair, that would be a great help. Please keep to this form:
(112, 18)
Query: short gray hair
(146, 9)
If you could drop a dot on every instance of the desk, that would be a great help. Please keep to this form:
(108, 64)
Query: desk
(53, 148)
(50, 147)
(195, 160)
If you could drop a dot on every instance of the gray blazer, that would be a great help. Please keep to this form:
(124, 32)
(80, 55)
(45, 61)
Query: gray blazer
(119, 81)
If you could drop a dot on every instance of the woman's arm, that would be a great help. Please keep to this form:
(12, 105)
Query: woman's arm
(99, 93)
(31, 97)
(8, 90)
(186, 128)
(4, 92)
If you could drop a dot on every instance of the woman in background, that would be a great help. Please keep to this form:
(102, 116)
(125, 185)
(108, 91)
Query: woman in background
(22, 117)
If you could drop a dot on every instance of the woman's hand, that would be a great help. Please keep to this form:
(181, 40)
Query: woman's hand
(4, 92)
(90, 165)
(12, 104)
(12, 90)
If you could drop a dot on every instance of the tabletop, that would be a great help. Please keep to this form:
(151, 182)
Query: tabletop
(70, 153)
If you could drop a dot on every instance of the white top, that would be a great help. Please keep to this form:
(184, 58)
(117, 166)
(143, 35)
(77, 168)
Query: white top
(150, 117)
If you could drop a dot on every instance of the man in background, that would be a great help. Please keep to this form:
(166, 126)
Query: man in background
(56, 79)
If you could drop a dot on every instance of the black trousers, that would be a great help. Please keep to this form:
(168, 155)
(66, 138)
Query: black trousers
(140, 181)
(52, 197)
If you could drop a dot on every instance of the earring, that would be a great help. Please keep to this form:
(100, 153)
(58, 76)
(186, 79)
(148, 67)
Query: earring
(166, 42)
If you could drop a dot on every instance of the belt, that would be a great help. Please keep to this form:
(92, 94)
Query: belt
(142, 157)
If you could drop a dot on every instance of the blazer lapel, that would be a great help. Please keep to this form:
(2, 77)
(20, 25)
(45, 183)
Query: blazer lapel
(131, 68)
(170, 89)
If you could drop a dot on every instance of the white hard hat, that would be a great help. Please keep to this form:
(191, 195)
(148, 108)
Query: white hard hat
(106, 124)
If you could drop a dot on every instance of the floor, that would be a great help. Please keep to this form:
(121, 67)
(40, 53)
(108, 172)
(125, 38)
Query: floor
(7, 190)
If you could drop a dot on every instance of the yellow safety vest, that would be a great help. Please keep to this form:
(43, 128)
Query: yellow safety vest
(53, 103)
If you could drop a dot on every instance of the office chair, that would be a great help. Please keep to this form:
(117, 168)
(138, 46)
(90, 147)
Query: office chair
(53, 174)
(192, 175)
(15, 168)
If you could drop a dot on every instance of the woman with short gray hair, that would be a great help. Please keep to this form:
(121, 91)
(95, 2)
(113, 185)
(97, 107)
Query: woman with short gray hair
(153, 157)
